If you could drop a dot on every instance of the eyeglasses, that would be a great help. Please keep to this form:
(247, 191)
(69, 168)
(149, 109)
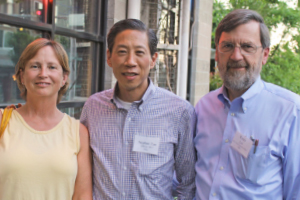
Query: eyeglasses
(245, 48)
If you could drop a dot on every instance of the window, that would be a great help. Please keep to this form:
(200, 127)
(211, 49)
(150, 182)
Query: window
(79, 25)
(163, 17)
(14, 40)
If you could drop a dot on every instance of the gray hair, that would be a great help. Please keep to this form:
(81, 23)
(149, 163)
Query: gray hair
(239, 17)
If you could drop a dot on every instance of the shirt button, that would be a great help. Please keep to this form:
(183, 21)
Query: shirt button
(124, 168)
(221, 168)
(126, 143)
(123, 194)
(129, 119)
(226, 140)
(245, 108)
(214, 194)
(232, 114)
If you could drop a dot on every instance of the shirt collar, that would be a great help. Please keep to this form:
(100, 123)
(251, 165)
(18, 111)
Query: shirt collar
(256, 88)
(222, 96)
(245, 99)
(140, 103)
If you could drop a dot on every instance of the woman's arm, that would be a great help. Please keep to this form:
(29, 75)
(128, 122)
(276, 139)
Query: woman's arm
(83, 183)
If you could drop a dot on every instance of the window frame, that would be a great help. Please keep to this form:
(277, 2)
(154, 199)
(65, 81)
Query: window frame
(50, 29)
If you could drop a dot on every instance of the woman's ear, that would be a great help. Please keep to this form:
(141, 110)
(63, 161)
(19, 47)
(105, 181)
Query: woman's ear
(65, 78)
(21, 76)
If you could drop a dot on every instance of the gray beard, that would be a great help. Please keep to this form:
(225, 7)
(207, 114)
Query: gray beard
(239, 80)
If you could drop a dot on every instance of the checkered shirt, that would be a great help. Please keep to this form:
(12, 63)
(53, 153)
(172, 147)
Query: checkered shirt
(121, 173)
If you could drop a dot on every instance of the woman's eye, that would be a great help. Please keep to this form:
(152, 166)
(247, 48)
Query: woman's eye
(34, 66)
(52, 67)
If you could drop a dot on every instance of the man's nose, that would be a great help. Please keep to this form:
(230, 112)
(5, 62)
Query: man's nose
(237, 54)
(131, 60)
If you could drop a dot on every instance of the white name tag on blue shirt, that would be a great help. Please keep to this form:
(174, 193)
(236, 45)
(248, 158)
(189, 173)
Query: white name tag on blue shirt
(241, 144)
(146, 144)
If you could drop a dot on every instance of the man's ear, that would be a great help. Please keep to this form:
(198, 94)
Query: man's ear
(153, 60)
(108, 56)
(266, 52)
(216, 55)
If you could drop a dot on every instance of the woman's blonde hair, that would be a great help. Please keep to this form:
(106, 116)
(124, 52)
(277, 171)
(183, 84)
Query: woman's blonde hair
(30, 51)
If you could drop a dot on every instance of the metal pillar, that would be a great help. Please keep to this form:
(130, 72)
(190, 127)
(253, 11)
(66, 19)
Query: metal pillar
(133, 9)
(183, 48)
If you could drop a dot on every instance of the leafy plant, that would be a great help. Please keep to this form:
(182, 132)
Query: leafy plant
(215, 81)
(283, 66)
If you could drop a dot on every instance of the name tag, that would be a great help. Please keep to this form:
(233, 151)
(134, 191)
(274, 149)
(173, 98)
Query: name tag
(146, 144)
(241, 144)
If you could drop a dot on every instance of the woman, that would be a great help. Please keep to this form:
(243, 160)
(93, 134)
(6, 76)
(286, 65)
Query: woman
(44, 153)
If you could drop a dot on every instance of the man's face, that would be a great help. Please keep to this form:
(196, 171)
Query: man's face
(240, 71)
(131, 61)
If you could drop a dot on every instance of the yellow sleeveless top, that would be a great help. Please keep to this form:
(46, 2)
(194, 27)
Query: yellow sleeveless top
(38, 165)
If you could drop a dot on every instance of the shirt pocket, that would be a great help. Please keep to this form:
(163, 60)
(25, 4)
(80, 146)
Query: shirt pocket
(149, 164)
(252, 168)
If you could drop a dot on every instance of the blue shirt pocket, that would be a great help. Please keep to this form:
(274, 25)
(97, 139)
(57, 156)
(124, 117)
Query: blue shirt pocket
(252, 168)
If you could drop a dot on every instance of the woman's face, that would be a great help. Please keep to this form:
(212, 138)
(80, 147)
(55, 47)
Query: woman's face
(43, 75)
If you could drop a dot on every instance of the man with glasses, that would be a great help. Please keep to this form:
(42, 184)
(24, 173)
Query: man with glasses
(248, 134)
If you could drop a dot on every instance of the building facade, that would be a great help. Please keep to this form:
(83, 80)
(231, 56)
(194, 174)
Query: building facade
(81, 27)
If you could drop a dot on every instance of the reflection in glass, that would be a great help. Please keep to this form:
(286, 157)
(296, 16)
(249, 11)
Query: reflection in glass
(80, 61)
(26, 9)
(79, 15)
(164, 73)
(13, 41)
(163, 16)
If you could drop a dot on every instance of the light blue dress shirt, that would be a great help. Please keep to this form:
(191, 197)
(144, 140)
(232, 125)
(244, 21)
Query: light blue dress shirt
(265, 112)
(121, 173)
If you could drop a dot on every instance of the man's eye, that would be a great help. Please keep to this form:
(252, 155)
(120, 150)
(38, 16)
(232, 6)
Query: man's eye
(34, 66)
(228, 45)
(248, 48)
(121, 51)
(52, 67)
(140, 52)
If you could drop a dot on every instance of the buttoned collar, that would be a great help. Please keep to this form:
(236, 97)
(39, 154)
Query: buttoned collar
(140, 103)
(246, 100)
